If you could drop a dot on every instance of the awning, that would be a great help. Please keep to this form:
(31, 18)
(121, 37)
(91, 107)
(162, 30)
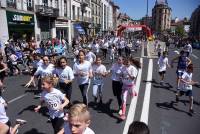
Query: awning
(79, 28)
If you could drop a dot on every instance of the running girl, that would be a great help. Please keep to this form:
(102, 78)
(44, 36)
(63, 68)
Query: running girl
(46, 69)
(66, 76)
(116, 80)
(99, 71)
(55, 101)
(129, 74)
(83, 71)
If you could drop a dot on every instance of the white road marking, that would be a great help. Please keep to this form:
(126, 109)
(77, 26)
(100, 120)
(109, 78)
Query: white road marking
(132, 108)
(17, 98)
(145, 109)
(195, 56)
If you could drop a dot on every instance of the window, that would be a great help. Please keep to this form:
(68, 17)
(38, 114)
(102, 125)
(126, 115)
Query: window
(73, 12)
(78, 13)
(30, 5)
(11, 3)
(65, 8)
(56, 4)
(45, 2)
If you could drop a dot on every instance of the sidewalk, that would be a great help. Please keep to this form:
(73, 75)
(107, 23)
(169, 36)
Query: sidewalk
(150, 49)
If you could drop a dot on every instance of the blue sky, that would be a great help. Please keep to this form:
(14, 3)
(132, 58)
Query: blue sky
(136, 9)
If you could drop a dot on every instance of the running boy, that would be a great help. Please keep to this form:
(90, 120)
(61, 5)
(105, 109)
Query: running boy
(78, 121)
(55, 100)
(186, 86)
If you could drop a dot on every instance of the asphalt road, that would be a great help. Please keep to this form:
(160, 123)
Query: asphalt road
(165, 117)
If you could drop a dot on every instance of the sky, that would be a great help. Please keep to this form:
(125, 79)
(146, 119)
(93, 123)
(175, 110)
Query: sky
(136, 9)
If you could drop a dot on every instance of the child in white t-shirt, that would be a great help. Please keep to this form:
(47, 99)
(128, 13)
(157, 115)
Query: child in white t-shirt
(129, 74)
(186, 86)
(99, 72)
(55, 101)
(162, 66)
(77, 121)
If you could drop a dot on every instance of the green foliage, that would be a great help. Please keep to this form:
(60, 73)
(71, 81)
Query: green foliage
(180, 31)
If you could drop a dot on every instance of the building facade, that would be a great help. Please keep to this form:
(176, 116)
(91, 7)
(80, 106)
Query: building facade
(104, 15)
(161, 16)
(96, 16)
(195, 23)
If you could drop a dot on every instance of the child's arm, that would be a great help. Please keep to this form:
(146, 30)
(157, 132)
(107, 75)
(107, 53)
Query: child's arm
(39, 106)
(64, 104)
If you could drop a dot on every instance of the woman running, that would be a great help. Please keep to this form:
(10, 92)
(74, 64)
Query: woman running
(65, 75)
(129, 74)
(55, 101)
(83, 71)
(99, 71)
(116, 80)
(3, 68)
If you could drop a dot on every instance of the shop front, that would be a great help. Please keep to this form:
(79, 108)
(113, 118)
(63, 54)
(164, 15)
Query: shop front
(62, 29)
(20, 25)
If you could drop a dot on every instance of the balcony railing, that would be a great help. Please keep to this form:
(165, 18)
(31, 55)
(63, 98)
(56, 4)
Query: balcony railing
(11, 4)
(46, 11)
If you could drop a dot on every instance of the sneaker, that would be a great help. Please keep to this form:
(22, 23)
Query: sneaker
(37, 96)
(120, 112)
(123, 117)
(191, 111)
(20, 121)
(161, 83)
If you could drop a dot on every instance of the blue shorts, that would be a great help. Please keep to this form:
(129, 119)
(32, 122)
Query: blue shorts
(179, 73)
(186, 93)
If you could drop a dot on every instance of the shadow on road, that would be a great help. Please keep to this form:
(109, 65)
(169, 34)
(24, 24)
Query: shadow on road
(166, 86)
(33, 131)
(105, 108)
(43, 110)
(171, 105)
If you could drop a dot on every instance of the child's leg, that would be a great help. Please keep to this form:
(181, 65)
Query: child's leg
(124, 98)
(95, 88)
(191, 102)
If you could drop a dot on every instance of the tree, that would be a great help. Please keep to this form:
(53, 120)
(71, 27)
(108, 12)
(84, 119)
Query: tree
(180, 30)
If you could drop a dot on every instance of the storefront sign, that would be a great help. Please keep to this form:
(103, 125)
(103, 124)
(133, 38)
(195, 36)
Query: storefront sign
(20, 18)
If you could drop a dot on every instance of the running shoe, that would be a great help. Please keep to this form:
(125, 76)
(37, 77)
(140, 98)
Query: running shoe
(20, 121)
(123, 117)
(120, 112)
(191, 111)
(177, 98)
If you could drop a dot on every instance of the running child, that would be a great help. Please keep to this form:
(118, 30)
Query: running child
(186, 86)
(162, 65)
(55, 101)
(77, 121)
(129, 74)
(99, 72)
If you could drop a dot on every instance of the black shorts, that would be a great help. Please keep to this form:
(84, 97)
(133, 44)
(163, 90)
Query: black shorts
(162, 72)
(57, 124)
(186, 93)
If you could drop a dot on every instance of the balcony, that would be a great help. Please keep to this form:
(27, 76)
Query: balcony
(46, 11)
(11, 4)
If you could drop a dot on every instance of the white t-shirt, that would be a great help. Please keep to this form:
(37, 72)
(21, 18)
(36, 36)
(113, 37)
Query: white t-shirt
(95, 48)
(68, 131)
(45, 70)
(187, 77)
(3, 117)
(85, 68)
(116, 72)
(53, 99)
(64, 74)
(98, 78)
(162, 63)
(132, 71)
(90, 56)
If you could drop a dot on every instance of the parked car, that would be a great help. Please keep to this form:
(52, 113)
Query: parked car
(196, 45)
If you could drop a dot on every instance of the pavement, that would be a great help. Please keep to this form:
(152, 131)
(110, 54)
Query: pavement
(155, 104)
